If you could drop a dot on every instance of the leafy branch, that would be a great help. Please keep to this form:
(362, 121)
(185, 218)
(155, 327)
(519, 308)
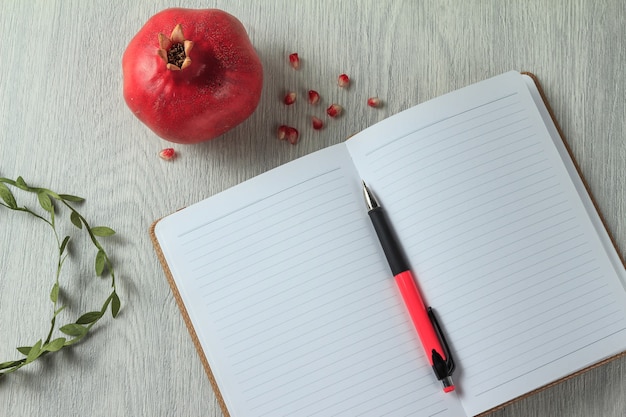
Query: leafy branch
(76, 331)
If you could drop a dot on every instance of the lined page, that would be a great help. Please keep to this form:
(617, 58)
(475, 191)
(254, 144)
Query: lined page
(520, 271)
(293, 302)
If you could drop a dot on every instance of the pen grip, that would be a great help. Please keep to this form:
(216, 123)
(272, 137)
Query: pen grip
(419, 315)
(388, 241)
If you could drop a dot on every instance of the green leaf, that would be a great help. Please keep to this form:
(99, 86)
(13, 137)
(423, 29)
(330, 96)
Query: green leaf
(56, 313)
(102, 231)
(115, 304)
(54, 294)
(34, 352)
(100, 262)
(74, 340)
(24, 350)
(55, 345)
(73, 329)
(63, 245)
(72, 198)
(20, 183)
(45, 202)
(10, 364)
(75, 218)
(7, 196)
(90, 317)
(51, 194)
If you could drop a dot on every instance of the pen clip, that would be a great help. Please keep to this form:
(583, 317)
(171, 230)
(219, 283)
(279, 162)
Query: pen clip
(442, 339)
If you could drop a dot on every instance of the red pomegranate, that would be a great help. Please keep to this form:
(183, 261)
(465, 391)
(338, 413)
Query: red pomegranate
(191, 75)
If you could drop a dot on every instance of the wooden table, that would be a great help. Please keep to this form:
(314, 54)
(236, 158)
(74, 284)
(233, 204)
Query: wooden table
(65, 126)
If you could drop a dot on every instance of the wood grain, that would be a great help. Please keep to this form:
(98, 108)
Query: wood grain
(65, 126)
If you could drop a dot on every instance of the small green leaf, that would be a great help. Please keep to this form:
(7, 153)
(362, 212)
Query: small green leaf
(75, 218)
(34, 352)
(115, 304)
(7, 196)
(24, 350)
(54, 294)
(45, 202)
(51, 194)
(55, 345)
(56, 313)
(63, 245)
(102, 231)
(73, 329)
(74, 340)
(10, 364)
(20, 183)
(72, 198)
(100, 262)
(90, 317)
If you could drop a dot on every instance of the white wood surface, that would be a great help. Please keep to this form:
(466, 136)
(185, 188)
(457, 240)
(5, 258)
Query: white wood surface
(64, 125)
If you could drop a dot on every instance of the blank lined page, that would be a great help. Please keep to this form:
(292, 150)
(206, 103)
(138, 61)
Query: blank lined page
(524, 278)
(293, 302)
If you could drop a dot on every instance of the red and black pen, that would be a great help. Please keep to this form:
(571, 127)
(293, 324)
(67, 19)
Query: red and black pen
(424, 320)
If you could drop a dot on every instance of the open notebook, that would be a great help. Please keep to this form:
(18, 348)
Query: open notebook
(291, 304)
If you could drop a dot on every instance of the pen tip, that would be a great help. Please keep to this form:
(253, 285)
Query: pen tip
(370, 200)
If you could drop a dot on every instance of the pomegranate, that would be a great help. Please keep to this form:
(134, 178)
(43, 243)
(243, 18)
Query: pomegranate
(192, 74)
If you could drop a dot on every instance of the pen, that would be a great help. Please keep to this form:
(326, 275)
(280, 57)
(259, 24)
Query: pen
(428, 329)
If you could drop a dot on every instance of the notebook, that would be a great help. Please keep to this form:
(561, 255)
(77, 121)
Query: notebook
(291, 304)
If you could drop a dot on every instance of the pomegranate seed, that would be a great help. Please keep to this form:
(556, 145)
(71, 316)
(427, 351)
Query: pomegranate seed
(282, 132)
(343, 80)
(290, 98)
(334, 110)
(292, 135)
(294, 60)
(317, 123)
(314, 97)
(373, 102)
(288, 133)
(167, 154)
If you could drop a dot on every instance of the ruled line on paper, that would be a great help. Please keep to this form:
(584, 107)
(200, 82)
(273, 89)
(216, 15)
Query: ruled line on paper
(291, 204)
(504, 282)
(471, 163)
(557, 311)
(486, 222)
(440, 121)
(335, 262)
(275, 217)
(567, 312)
(260, 305)
(279, 223)
(258, 248)
(570, 348)
(496, 324)
(310, 307)
(383, 389)
(529, 371)
(444, 185)
(335, 368)
(525, 288)
(200, 226)
(392, 169)
(337, 362)
(487, 207)
(372, 317)
(494, 250)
